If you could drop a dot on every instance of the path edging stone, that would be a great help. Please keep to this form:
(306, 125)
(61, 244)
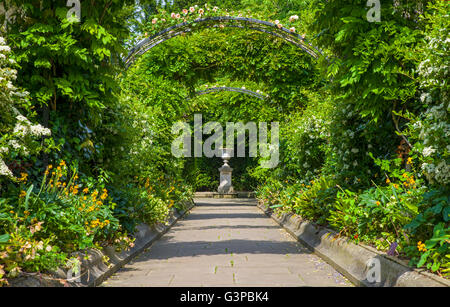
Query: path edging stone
(351, 260)
(94, 270)
(237, 194)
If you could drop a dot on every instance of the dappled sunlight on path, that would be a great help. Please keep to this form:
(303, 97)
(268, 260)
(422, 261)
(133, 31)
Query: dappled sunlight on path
(227, 242)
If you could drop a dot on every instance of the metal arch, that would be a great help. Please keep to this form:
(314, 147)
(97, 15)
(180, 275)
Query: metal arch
(230, 89)
(155, 42)
(261, 25)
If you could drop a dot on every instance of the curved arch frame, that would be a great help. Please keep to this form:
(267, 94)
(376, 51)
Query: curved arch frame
(218, 21)
(230, 89)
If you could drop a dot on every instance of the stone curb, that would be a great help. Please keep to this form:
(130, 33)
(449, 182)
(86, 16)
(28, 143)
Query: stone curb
(224, 195)
(93, 269)
(352, 260)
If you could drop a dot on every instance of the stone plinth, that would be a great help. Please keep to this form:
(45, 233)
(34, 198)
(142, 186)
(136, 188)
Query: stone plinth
(225, 186)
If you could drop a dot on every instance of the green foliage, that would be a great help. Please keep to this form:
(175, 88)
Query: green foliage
(382, 138)
(303, 138)
(431, 226)
(363, 137)
(43, 224)
(315, 201)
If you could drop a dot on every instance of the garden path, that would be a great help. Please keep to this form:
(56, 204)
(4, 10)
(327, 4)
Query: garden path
(226, 242)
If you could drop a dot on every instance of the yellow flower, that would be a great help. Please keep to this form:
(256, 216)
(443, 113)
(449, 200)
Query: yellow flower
(22, 194)
(378, 203)
(24, 177)
(409, 161)
(50, 166)
(85, 190)
(94, 195)
(387, 180)
(395, 185)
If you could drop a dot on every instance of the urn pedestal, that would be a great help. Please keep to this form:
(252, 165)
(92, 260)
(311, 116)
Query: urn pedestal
(225, 186)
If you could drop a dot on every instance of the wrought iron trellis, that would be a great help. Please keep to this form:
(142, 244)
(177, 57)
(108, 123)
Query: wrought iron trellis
(258, 95)
(221, 21)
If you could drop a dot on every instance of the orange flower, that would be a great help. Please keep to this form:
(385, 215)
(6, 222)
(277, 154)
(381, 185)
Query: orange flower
(421, 247)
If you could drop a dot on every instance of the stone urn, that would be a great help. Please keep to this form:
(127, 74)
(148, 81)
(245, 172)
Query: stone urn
(225, 170)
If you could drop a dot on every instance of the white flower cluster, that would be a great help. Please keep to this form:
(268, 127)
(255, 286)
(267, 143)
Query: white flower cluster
(21, 129)
(439, 173)
(309, 132)
(4, 170)
(435, 136)
(24, 128)
(434, 127)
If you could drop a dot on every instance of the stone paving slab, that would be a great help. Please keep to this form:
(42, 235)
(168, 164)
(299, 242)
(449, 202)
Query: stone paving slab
(223, 243)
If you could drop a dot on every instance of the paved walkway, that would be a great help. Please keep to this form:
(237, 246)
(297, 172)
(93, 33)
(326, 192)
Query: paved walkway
(226, 242)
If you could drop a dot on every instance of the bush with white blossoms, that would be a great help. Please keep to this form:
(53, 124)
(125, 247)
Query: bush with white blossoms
(432, 129)
(304, 140)
(17, 132)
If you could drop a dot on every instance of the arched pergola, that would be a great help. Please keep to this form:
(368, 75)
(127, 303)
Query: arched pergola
(230, 89)
(221, 21)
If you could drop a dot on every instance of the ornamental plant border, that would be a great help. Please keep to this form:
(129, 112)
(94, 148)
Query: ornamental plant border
(94, 271)
(352, 260)
(211, 22)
